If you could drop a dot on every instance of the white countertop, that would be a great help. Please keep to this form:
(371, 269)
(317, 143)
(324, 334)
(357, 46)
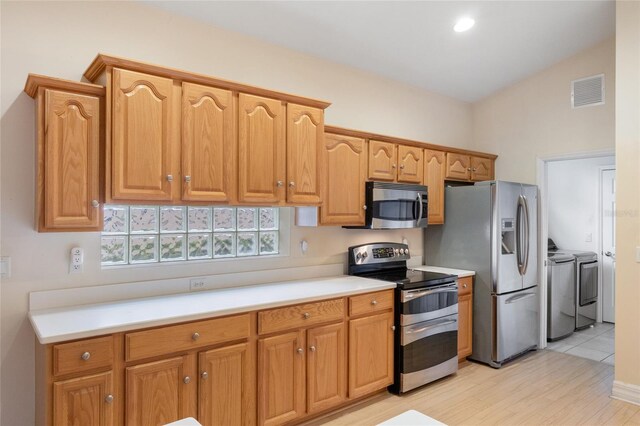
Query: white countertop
(61, 324)
(459, 272)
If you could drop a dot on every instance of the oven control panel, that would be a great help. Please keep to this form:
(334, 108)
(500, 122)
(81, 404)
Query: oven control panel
(369, 254)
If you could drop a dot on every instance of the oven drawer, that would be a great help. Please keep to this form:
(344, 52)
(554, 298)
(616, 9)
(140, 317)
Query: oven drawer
(176, 338)
(428, 303)
(299, 316)
(371, 302)
(82, 355)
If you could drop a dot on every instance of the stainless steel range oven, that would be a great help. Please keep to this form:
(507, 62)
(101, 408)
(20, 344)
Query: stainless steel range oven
(426, 313)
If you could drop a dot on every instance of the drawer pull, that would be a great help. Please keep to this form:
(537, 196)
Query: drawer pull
(393, 328)
(195, 336)
(306, 315)
(204, 375)
(108, 399)
(300, 350)
(374, 302)
(464, 286)
(186, 380)
(312, 348)
(85, 356)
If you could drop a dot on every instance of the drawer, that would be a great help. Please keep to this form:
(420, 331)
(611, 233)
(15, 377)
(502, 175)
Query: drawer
(465, 285)
(299, 316)
(371, 302)
(181, 337)
(82, 355)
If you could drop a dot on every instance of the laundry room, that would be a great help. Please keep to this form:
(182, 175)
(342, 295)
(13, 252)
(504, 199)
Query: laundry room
(580, 199)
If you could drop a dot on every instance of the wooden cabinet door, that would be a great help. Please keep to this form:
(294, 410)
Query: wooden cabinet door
(144, 137)
(160, 392)
(344, 164)
(281, 378)
(410, 168)
(305, 132)
(370, 354)
(86, 401)
(465, 317)
(326, 367)
(481, 168)
(458, 166)
(383, 161)
(261, 150)
(434, 172)
(208, 143)
(70, 158)
(227, 386)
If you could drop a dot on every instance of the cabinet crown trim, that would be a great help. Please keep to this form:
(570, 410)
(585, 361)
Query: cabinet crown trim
(102, 61)
(35, 81)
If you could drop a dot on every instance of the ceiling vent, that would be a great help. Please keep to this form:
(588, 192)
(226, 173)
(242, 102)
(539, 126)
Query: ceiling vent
(587, 91)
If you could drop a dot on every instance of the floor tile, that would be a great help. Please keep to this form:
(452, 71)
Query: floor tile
(600, 343)
(588, 353)
(559, 346)
(609, 360)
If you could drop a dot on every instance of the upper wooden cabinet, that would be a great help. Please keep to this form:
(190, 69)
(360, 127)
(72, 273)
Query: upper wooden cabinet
(434, 175)
(469, 167)
(305, 131)
(344, 165)
(261, 150)
(143, 139)
(383, 161)
(69, 147)
(209, 144)
(410, 164)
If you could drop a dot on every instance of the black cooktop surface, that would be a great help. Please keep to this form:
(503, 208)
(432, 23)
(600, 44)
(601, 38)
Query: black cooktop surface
(409, 278)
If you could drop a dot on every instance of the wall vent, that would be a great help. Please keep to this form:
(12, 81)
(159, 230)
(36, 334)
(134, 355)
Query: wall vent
(587, 91)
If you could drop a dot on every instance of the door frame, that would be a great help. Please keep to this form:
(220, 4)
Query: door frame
(599, 236)
(542, 177)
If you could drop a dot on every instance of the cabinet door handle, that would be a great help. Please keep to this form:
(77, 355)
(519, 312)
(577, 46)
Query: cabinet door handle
(364, 207)
(464, 286)
(469, 168)
(195, 336)
(186, 380)
(187, 179)
(108, 399)
(204, 375)
(292, 184)
(279, 184)
(393, 166)
(393, 328)
(169, 178)
(300, 350)
(402, 166)
(312, 348)
(85, 356)
(95, 203)
(474, 169)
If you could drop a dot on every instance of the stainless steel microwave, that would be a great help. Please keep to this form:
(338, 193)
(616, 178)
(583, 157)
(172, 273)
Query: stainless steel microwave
(394, 206)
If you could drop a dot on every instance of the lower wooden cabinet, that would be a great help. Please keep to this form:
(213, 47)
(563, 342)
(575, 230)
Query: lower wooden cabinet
(253, 370)
(86, 401)
(370, 354)
(281, 371)
(160, 392)
(227, 386)
(465, 317)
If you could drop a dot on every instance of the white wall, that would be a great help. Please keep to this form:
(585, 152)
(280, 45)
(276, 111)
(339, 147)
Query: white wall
(627, 359)
(534, 118)
(572, 201)
(60, 39)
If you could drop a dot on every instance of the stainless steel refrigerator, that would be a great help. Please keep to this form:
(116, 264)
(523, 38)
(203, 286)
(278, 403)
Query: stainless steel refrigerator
(491, 228)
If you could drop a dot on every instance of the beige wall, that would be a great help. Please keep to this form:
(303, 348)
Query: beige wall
(534, 118)
(627, 197)
(61, 39)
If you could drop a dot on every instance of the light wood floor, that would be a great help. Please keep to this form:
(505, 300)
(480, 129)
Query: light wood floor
(541, 388)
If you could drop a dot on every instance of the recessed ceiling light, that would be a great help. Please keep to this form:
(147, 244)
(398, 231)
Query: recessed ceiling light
(464, 24)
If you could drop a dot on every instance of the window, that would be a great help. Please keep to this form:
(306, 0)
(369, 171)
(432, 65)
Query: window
(149, 234)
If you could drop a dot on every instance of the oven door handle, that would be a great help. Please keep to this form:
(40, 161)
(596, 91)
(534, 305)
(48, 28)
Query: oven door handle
(429, 327)
(411, 295)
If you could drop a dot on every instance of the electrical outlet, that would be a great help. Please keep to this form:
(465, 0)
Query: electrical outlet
(76, 261)
(197, 284)
(589, 237)
(75, 268)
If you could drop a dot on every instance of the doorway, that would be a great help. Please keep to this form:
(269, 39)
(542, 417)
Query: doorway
(608, 242)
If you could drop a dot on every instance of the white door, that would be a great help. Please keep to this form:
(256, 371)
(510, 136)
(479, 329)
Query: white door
(608, 185)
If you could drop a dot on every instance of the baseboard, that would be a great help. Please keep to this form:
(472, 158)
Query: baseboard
(626, 392)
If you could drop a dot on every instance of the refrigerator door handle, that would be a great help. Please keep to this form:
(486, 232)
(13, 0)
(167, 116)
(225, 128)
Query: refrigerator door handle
(519, 236)
(522, 235)
(519, 297)
(525, 209)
